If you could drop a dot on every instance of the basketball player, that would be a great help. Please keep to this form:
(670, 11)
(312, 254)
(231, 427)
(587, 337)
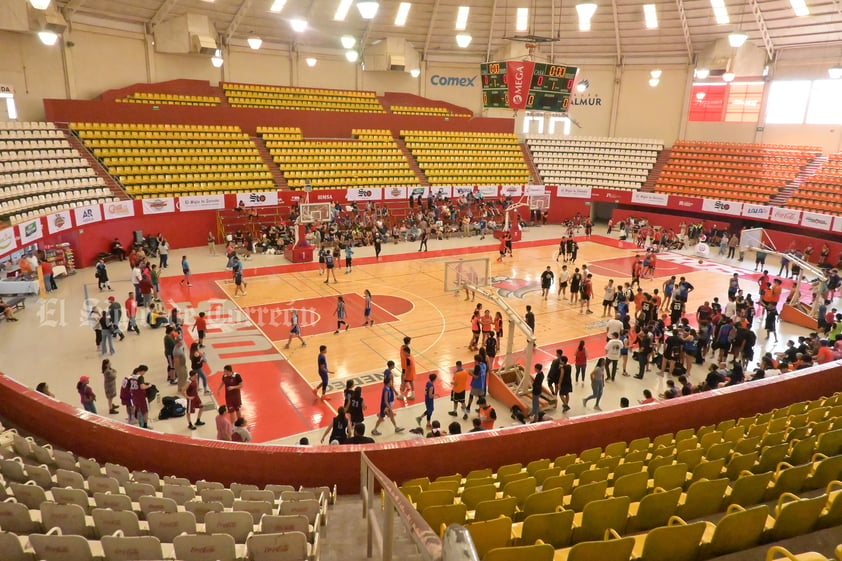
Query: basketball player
(340, 313)
(295, 329)
(407, 391)
(367, 313)
(323, 372)
(329, 264)
(563, 279)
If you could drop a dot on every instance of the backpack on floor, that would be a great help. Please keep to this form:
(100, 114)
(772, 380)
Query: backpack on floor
(171, 408)
(679, 370)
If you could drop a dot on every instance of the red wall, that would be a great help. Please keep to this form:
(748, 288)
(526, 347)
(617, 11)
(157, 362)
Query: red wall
(97, 437)
(314, 124)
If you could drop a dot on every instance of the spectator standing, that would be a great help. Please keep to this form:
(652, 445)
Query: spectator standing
(233, 384)
(580, 360)
(163, 253)
(478, 381)
(194, 402)
(529, 318)
(458, 389)
(197, 364)
(131, 313)
(115, 311)
(613, 348)
(224, 428)
(597, 384)
(109, 376)
(140, 402)
(86, 394)
(537, 389)
(563, 280)
(546, 282)
(185, 269)
(102, 276)
(107, 330)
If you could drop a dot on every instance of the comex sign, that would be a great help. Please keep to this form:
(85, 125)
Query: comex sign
(462, 82)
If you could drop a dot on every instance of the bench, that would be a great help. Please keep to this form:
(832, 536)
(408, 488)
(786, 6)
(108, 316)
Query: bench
(16, 302)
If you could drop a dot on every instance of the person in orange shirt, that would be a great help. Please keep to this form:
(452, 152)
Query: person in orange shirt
(772, 294)
(486, 324)
(407, 371)
(487, 414)
(458, 389)
(475, 330)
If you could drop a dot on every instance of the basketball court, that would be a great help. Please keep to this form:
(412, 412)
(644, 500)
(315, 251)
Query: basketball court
(412, 295)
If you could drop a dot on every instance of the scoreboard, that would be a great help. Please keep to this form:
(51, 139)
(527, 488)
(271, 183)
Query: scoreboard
(534, 86)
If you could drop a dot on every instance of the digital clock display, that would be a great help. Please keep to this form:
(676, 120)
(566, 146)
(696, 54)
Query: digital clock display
(495, 87)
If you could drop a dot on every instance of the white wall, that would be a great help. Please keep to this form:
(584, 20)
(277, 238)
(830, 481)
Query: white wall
(714, 132)
(34, 70)
(469, 96)
(258, 67)
(647, 112)
(120, 60)
(335, 73)
(390, 81)
(592, 108)
(191, 67)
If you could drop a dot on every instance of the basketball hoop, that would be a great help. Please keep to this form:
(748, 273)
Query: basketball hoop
(531, 48)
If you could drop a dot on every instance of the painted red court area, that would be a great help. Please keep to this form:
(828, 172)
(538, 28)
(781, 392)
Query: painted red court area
(621, 267)
(316, 315)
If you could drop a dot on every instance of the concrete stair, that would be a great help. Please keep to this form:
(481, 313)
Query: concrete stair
(812, 167)
(655, 172)
(413, 163)
(113, 185)
(277, 174)
(533, 171)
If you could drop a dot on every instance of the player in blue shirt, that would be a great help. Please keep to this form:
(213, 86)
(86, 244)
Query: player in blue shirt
(429, 400)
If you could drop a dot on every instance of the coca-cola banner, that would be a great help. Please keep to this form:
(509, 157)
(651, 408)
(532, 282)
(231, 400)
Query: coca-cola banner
(720, 206)
(785, 215)
(816, 220)
(519, 75)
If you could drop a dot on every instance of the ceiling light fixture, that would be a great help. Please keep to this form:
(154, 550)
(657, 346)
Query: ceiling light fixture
(368, 8)
(586, 12)
(311, 62)
(582, 86)
(48, 38)
(217, 60)
(702, 73)
(298, 25)
(463, 40)
(522, 19)
(720, 12)
(799, 7)
(415, 72)
(650, 16)
(728, 77)
(347, 41)
(403, 13)
(278, 6)
(835, 72)
(737, 39)
(254, 41)
(656, 73)
(342, 10)
(352, 56)
(40, 4)
(654, 82)
(462, 18)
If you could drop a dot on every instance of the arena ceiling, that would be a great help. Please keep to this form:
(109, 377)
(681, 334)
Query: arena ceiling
(618, 32)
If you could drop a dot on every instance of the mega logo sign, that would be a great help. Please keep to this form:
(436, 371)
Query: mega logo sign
(519, 76)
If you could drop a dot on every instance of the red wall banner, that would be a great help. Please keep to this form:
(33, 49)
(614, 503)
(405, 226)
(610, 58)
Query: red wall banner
(519, 74)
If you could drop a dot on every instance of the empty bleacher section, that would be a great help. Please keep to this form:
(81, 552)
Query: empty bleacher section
(309, 99)
(61, 506)
(40, 172)
(748, 172)
(372, 159)
(151, 160)
(169, 99)
(612, 163)
(821, 192)
(694, 494)
(468, 158)
(426, 110)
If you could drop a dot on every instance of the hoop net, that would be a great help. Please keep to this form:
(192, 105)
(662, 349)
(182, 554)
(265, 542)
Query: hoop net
(315, 212)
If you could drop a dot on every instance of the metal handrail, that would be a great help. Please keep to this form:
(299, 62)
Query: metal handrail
(394, 502)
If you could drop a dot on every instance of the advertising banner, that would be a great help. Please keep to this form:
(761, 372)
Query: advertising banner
(785, 215)
(656, 199)
(816, 220)
(87, 215)
(573, 192)
(158, 206)
(444, 190)
(510, 190)
(59, 221)
(395, 193)
(758, 212)
(30, 231)
(8, 243)
(720, 206)
(201, 202)
(535, 190)
(262, 198)
(118, 209)
(488, 190)
(364, 194)
(519, 75)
